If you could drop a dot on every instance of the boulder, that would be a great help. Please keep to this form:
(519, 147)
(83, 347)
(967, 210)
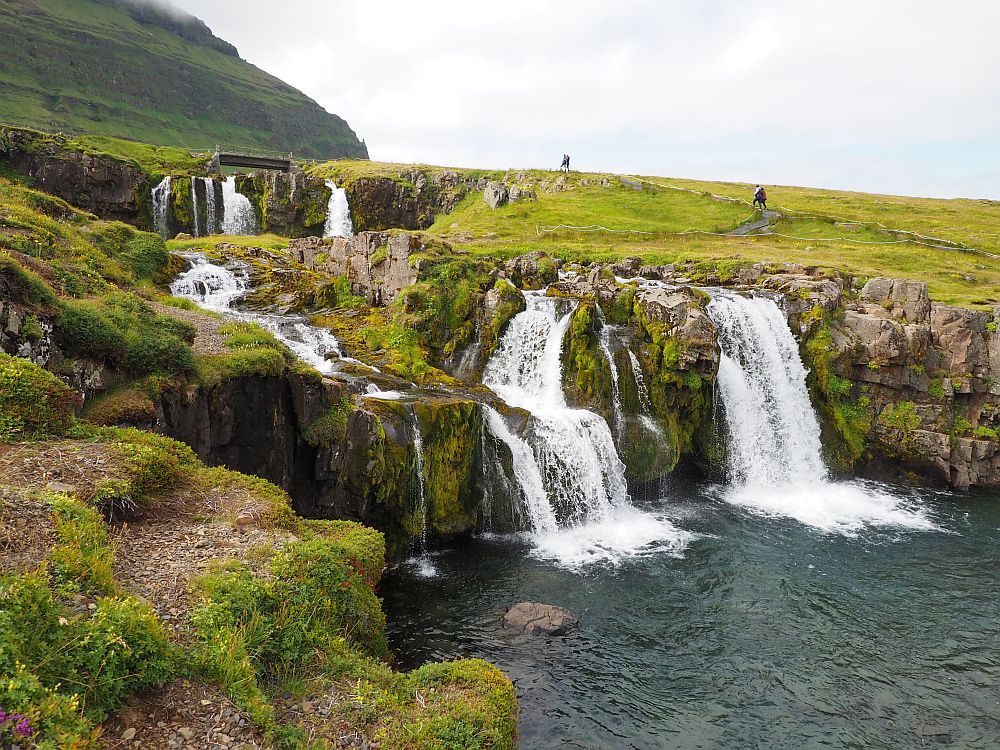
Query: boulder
(534, 618)
(496, 195)
(904, 298)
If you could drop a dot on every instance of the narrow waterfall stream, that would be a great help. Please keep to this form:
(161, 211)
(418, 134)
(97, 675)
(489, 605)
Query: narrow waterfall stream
(338, 213)
(574, 450)
(218, 288)
(774, 458)
(161, 207)
(604, 338)
(196, 226)
(238, 217)
(211, 211)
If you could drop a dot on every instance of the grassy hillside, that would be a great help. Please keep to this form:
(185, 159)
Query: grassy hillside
(669, 221)
(110, 68)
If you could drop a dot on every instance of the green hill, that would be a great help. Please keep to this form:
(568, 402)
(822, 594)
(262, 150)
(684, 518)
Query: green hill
(117, 68)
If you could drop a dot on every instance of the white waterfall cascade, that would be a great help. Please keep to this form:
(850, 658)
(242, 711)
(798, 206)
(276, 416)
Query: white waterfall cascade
(338, 213)
(645, 406)
(604, 338)
(582, 475)
(775, 464)
(527, 475)
(238, 217)
(196, 227)
(211, 212)
(217, 288)
(161, 207)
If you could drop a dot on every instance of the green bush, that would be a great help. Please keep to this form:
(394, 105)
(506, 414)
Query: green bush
(83, 558)
(124, 330)
(60, 657)
(33, 402)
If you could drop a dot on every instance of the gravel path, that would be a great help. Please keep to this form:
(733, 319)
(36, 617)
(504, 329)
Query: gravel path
(207, 339)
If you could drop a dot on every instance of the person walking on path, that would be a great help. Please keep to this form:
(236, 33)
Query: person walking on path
(760, 198)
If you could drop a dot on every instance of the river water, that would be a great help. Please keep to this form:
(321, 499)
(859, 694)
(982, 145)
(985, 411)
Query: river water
(762, 632)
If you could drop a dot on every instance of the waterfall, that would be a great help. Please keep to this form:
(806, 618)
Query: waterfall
(604, 338)
(418, 451)
(238, 217)
(585, 515)
(218, 288)
(773, 431)
(211, 219)
(774, 459)
(574, 447)
(194, 208)
(161, 207)
(531, 500)
(645, 406)
(338, 213)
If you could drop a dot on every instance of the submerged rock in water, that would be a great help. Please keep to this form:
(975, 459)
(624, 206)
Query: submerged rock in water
(535, 618)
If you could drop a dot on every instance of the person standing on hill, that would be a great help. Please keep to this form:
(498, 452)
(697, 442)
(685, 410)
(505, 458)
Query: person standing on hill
(762, 199)
(565, 163)
(756, 195)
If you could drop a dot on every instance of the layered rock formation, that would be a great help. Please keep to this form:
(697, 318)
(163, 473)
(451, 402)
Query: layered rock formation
(107, 187)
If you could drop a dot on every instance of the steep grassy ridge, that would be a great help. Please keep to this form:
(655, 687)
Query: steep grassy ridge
(114, 68)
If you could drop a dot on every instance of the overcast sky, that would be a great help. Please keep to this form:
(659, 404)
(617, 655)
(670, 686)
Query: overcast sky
(899, 96)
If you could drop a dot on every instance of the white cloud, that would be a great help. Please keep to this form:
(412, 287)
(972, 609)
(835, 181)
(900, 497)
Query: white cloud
(803, 91)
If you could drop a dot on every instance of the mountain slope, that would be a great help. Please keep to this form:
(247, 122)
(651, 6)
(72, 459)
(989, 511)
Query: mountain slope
(112, 67)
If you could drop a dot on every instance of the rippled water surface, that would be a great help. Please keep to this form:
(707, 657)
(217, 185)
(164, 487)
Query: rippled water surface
(762, 632)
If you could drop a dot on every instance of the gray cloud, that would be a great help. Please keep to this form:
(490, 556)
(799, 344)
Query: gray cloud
(896, 96)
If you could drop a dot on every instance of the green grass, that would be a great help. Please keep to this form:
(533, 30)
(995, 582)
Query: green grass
(116, 76)
(830, 229)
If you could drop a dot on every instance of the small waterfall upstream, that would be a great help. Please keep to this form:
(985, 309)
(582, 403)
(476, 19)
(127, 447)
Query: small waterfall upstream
(774, 455)
(585, 513)
(218, 288)
(645, 406)
(238, 217)
(211, 217)
(196, 227)
(338, 213)
(161, 207)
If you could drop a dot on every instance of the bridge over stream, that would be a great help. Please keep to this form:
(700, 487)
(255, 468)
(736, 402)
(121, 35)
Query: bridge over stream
(230, 157)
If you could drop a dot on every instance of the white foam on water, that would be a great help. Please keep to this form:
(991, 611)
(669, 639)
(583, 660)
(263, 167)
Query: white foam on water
(627, 534)
(846, 508)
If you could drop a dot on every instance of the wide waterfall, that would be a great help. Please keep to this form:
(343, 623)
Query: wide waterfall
(774, 458)
(238, 217)
(338, 213)
(161, 207)
(574, 451)
(218, 288)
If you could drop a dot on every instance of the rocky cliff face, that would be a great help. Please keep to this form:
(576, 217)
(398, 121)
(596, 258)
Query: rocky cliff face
(928, 376)
(376, 263)
(290, 204)
(107, 187)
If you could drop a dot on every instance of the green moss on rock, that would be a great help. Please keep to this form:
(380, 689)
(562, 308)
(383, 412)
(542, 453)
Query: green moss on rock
(33, 402)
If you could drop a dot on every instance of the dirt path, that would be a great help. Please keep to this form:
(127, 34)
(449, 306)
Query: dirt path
(207, 339)
(768, 218)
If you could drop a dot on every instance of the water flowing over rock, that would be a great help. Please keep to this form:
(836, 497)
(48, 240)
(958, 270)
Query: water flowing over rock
(573, 447)
(218, 288)
(774, 460)
(338, 213)
(238, 216)
(161, 207)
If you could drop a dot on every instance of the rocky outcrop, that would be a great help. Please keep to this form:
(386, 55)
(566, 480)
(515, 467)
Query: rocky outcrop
(337, 453)
(925, 376)
(534, 618)
(107, 187)
(290, 204)
(376, 263)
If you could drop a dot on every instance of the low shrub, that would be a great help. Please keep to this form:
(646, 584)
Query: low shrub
(33, 402)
